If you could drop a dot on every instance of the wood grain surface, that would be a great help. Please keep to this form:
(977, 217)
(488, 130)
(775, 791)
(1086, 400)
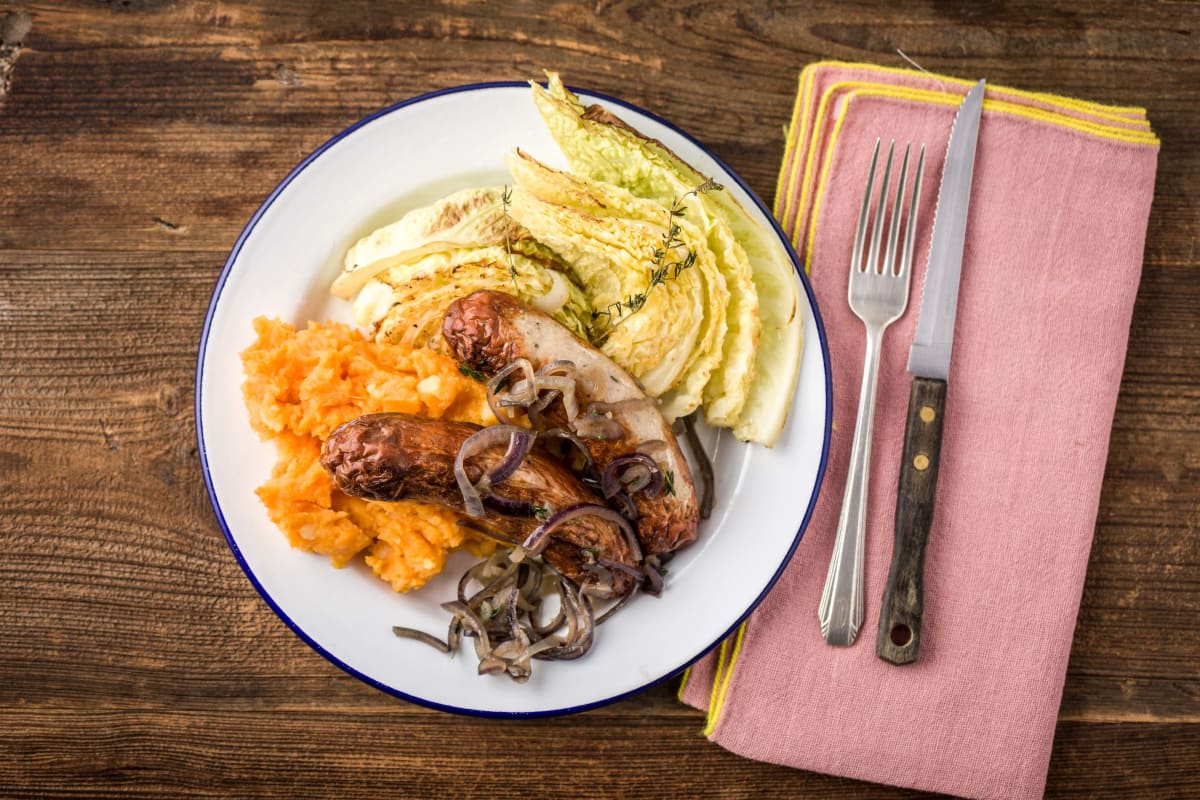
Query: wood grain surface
(137, 137)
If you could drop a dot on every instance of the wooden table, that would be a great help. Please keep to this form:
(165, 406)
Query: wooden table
(138, 136)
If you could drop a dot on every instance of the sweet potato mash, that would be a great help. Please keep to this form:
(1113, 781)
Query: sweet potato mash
(300, 385)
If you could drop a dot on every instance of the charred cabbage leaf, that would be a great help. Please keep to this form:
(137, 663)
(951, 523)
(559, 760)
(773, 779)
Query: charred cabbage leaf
(402, 276)
(752, 389)
(657, 296)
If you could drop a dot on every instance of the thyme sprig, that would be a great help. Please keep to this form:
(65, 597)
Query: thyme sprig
(506, 200)
(666, 263)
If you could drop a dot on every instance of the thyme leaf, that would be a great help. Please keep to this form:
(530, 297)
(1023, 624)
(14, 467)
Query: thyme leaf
(472, 373)
(666, 263)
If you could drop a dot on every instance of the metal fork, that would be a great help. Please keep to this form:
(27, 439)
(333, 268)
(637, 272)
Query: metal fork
(878, 295)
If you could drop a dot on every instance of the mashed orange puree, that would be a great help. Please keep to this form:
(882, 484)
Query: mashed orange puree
(300, 385)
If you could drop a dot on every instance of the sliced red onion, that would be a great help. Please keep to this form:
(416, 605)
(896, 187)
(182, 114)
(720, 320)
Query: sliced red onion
(502, 616)
(534, 412)
(491, 587)
(555, 379)
(555, 297)
(559, 385)
(632, 572)
(422, 636)
(490, 665)
(507, 506)
(654, 579)
(544, 399)
(580, 624)
(465, 580)
(472, 502)
(541, 534)
(542, 645)
(567, 436)
(597, 426)
(522, 393)
(601, 584)
(511, 613)
(633, 473)
(639, 478)
(528, 581)
(510, 649)
(520, 442)
(615, 607)
(472, 621)
(479, 527)
(703, 464)
(552, 625)
(517, 393)
(561, 367)
(534, 391)
(625, 505)
(652, 446)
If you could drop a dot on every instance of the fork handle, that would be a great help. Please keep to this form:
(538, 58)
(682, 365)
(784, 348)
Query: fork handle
(899, 637)
(840, 612)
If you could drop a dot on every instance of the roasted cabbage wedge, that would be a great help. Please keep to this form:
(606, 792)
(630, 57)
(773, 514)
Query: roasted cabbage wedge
(402, 276)
(752, 390)
(610, 256)
(405, 303)
(470, 217)
(653, 248)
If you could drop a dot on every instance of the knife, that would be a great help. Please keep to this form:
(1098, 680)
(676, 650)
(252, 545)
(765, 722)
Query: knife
(899, 637)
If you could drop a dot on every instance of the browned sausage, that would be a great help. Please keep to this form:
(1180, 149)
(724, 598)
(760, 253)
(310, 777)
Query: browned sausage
(487, 330)
(396, 456)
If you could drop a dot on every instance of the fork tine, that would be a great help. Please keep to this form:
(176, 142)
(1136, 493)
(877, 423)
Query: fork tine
(889, 258)
(860, 233)
(877, 232)
(911, 231)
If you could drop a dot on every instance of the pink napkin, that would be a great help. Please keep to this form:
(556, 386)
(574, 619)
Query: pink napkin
(1053, 256)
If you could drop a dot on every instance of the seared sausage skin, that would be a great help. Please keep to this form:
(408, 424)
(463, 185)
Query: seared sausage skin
(487, 330)
(397, 456)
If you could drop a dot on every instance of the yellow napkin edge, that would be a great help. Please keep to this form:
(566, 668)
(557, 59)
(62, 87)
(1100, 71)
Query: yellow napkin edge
(1114, 112)
(726, 661)
(799, 124)
(788, 200)
(727, 656)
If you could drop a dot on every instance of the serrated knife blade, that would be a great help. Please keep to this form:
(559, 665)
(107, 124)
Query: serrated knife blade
(902, 609)
(930, 353)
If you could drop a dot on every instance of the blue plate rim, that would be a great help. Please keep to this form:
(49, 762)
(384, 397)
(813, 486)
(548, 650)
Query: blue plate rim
(248, 229)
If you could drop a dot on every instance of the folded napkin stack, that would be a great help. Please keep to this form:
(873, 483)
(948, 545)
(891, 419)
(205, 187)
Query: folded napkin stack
(1053, 256)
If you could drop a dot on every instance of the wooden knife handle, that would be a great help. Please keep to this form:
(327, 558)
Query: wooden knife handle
(899, 636)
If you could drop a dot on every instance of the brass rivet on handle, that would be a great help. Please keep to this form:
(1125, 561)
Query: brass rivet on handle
(927, 414)
(921, 462)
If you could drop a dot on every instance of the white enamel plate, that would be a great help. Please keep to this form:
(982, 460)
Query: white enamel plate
(282, 265)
